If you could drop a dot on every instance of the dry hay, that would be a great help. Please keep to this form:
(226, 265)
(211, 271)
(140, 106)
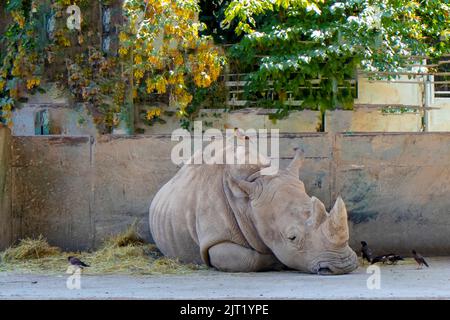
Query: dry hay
(129, 237)
(125, 253)
(29, 248)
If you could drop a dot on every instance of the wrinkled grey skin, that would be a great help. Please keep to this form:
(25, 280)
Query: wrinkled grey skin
(236, 220)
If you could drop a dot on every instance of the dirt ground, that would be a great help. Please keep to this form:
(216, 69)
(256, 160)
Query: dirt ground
(396, 282)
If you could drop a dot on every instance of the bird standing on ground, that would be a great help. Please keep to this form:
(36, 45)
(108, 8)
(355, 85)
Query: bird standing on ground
(390, 258)
(393, 258)
(77, 262)
(382, 259)
(419, 259)
(366, 253)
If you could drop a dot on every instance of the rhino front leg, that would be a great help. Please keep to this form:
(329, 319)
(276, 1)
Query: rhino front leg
(231, 257)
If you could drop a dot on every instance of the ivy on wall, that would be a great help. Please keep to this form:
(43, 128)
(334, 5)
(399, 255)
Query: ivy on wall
(166, 52)
(160, 52)
(20, 56)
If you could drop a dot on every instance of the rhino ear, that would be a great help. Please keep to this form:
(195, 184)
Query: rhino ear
(248, 187)
(318, 213)
(240, 187)
(296, 163)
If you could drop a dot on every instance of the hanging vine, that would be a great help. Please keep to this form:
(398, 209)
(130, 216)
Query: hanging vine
(166, 53)
(20, 57)
(160, 52)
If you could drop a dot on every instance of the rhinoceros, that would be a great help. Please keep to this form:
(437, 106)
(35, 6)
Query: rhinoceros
(233, 219)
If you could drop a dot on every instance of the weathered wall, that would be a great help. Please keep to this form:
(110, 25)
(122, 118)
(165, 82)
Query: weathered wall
(383, 92)
(66, 118)
(127, 173)
(298, 121)
(396, 188)
(52, 190)
(371, 120)
(77, 191)
(438, 119)
(5, 188)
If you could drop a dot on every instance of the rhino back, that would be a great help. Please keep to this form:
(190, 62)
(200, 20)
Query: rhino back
(190, 214)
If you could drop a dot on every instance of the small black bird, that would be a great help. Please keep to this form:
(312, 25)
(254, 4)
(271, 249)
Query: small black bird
(419, 259)
(379, 259)
(390, 258)
(77, 262)
(393, 258)
(366, 253)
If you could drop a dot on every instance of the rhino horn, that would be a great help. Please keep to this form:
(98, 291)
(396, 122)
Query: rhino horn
(336, 226)
(296, 163)
(318, 214)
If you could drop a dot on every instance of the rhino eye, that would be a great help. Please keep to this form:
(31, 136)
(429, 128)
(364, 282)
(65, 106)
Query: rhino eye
(292, 238)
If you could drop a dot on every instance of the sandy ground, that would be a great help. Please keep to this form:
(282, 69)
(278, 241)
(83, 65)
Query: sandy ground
(397, 282)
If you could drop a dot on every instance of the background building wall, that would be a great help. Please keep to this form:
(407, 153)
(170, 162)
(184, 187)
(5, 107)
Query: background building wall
(69, 118)
(438, 119)
(65, 117)
(371, 120)
(406, 91)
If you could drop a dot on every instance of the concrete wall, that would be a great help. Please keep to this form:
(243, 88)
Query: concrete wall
(5, 188)
(251, 118)
(396, 188)
(63, 120)
(371, 120)
(76, 191)
(439, 119)
(66, 117)
(52, 190)
(382, 92)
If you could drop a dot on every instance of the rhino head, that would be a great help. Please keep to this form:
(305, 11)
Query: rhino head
(296, 228)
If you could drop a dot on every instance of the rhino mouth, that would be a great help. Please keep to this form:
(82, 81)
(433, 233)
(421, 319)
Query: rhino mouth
(334, 265)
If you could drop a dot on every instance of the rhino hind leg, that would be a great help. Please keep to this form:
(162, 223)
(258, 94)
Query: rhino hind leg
(231, 257)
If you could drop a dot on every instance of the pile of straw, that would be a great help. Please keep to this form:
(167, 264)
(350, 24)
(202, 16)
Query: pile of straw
(29, 248)
(125, 253)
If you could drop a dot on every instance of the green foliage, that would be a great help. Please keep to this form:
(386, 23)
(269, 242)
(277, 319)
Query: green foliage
(31, 57)
(399, 110)
(212, 15)
(18, 57)
(160, 52)
(298, 41)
